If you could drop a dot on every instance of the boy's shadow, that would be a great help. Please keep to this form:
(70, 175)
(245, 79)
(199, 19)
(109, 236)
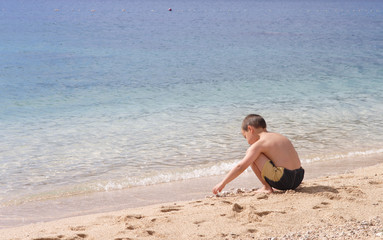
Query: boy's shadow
(316, 189)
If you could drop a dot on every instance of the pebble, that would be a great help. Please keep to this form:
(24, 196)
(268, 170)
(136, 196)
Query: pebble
(231, 192)
(223, 194)
(240, 190)
(352, 229)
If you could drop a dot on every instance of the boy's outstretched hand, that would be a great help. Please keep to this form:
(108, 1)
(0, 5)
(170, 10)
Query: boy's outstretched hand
(218, 188)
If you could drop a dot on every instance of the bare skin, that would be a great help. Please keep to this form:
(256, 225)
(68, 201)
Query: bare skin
(264, 146)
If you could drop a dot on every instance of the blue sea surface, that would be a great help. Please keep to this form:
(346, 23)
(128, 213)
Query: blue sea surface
(102, 95)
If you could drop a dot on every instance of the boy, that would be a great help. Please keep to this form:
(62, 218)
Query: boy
(271, 156)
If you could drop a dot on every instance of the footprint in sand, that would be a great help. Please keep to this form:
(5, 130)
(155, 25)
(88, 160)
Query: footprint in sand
(60, 237)
(166, 209)
(321, 205)
(263, 197)
(78, 228)
(354, 191)
(130, 227)
(263, 213)
(47, 238)
(199, 222)
(237, 208)
(330, 196)
(375, 182)
(197, 203)
(129, 217)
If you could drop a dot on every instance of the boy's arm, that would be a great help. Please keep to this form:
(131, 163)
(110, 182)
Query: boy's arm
(251, 155)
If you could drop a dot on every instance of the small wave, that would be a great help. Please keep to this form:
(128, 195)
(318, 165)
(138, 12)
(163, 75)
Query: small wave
(166, 177)
(339, 156)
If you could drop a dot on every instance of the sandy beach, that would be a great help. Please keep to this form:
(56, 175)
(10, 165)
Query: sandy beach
(118, 118)
(344, 206)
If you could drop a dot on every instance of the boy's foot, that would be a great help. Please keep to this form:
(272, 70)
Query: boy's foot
(265, 190)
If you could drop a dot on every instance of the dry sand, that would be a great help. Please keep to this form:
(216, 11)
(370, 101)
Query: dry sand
(347, 206)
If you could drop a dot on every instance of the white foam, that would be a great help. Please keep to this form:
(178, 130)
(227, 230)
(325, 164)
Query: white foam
(110, 186)
(343, 155)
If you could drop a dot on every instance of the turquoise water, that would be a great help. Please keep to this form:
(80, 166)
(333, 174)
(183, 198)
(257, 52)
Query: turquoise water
(98, 96)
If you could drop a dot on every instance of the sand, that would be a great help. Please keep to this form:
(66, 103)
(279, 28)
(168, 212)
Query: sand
(345, 206)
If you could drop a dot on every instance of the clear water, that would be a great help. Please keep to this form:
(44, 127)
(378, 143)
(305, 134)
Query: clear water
(102, 95)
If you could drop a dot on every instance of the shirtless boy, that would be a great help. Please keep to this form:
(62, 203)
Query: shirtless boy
(271, 156)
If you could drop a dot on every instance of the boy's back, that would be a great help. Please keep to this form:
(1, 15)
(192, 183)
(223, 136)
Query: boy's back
(279, 150)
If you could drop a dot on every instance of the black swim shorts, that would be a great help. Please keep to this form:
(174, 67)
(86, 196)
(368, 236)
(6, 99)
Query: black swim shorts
(282, 178)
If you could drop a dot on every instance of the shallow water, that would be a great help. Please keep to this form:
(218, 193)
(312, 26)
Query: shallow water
(99, 97)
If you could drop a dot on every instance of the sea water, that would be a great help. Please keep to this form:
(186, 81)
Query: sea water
(103, 95)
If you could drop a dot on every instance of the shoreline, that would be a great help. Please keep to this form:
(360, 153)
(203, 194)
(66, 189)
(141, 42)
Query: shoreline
(188, 190)
(342, 206)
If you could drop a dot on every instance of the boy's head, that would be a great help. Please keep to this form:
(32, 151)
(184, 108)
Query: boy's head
(254, 120)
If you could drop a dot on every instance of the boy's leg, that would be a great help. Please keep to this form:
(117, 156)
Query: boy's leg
(257, 167)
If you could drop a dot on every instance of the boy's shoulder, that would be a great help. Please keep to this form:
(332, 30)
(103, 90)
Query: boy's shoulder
(273, 134)
(272, 137)
(268, 135)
